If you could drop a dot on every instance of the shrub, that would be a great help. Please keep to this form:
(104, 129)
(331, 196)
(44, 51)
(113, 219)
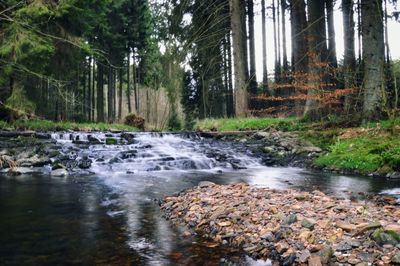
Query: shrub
(134, 121)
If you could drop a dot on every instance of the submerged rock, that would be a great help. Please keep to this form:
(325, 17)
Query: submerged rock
(59, 173)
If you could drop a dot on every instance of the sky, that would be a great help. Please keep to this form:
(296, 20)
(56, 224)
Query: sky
(393, 31)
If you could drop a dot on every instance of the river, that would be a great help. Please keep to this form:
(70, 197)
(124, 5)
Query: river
(109, 213)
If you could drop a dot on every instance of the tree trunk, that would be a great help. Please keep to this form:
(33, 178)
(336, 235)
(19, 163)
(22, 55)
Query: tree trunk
(373, 56)
(226, 75)
(230, 100)
(359, 31)
(253, 76)
(299, 49)
(285, 63)
(241, 101)
(278, 66)
(244, 38)
(128, 89)
(349, 63)
(264, 47)
(89, 101)
(331, 34)
(318, 55)
(120, 94)
(100, 92)
(110, 98)
(135, 88)
(275, 41)
(114, 94)
(93, 92)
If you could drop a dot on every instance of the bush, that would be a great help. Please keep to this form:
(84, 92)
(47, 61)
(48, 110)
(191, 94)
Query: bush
(174, 124)
(134, 121)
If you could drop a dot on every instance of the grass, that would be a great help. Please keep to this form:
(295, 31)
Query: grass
(46, 125)
(366, 154)
(250, 123)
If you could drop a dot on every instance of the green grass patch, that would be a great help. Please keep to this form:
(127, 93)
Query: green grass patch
(364, 154)
(250, 123)
(46, 125)
(321, 138)
(383, 124)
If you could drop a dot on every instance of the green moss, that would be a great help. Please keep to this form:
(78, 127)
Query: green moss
(251, 123)
(111, 141)
(46, 125)
(321, 138)
(364, 154)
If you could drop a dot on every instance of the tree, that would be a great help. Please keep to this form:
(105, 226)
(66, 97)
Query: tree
(241, 99)
(299, 48)
(252, 51)
(373, 58)
(317, 55)
(264, 46)
(349, 63)
(331, 34)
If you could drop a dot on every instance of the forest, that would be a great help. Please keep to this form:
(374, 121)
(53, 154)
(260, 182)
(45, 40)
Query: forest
(199, 132)
(173, 62)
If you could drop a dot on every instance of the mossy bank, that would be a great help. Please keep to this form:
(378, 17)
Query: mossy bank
(370, 149)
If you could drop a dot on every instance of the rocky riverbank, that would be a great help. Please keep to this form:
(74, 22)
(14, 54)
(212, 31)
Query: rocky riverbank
(276, 148)
(291, 227)
(279, 148)
(24, 152)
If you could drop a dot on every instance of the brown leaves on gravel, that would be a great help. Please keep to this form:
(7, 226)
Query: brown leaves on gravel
(288, 225)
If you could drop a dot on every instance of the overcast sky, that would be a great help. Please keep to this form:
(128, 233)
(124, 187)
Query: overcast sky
(394, 36)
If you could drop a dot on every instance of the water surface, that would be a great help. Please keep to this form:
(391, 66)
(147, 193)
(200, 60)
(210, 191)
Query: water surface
(111, 215)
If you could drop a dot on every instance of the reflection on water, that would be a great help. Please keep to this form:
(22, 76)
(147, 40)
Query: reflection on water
(113, 217)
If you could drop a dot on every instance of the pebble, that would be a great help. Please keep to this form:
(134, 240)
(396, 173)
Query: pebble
(283, 226)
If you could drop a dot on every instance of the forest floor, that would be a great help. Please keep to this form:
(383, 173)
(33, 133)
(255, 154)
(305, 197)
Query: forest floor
(370, 149)
(289, 226)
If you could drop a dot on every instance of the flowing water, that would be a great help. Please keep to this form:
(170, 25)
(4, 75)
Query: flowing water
(109, 214)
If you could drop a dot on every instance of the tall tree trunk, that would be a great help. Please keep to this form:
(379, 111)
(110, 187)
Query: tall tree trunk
(253, 76)
(374, 57)
(244, 38)
(93, 98)
(110, 99)
(230, 100)
(128, 89)
(89, 99)
(387, 50)
(135, 88)
(299, 49)
(349, 63)
(359, 32)
(318, 55)
(278, 66)
(332, 59)
(241, 101)
(275, 41)
(100, 92)
(114, 94)
(285, 64)
(226, 75)
(120, 94)
(264, 46)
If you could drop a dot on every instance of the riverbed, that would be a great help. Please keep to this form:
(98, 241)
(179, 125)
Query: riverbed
(109, 213)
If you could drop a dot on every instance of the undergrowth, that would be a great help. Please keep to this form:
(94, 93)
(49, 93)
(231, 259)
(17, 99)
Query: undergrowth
(250, 123)
(46, 125)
